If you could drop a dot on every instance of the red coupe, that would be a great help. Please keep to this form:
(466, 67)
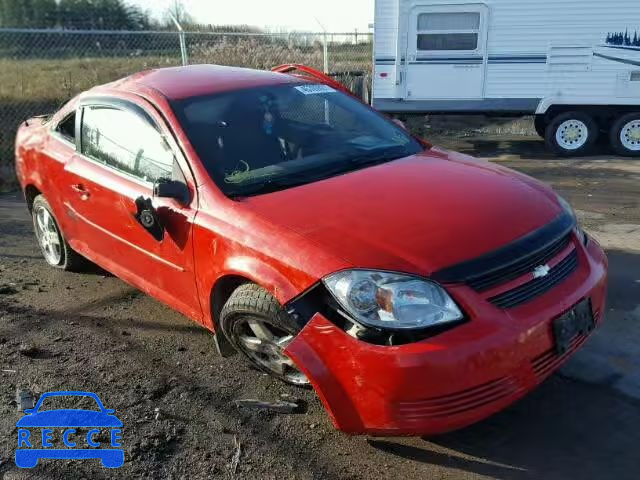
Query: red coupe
(416, 289)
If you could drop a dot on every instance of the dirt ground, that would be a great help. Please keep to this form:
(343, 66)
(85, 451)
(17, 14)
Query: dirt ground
(91, 331)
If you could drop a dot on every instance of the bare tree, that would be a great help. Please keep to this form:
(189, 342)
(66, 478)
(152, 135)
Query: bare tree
(179, 12)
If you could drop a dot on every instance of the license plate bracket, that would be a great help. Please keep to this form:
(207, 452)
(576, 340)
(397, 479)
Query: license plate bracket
(578, 321)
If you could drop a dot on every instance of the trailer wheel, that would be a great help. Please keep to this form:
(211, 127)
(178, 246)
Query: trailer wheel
(571, 134)
(625, 135)
(540, 124)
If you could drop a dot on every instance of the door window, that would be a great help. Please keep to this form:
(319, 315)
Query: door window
(67, 128)
(125, 142)
(455, 31)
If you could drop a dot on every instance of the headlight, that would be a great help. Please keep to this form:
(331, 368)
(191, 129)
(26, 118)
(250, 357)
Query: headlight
(392, 300)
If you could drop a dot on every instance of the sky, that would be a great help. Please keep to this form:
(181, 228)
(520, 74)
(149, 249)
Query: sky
(335, 15)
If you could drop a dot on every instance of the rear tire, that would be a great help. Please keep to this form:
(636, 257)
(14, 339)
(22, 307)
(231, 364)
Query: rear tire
(625, 135)
(259, 328)
(571, 134)
(54, 247)
(540, 125)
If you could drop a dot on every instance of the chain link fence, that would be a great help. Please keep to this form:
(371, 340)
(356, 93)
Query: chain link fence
(42, 69)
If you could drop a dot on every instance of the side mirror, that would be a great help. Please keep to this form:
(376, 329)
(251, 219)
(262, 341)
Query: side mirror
(29, 411)
(165, 188)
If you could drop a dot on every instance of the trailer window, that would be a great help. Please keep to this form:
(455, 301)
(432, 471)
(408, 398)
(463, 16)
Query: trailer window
(448, 31)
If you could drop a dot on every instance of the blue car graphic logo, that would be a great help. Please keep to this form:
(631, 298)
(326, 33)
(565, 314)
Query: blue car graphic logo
(30, 439)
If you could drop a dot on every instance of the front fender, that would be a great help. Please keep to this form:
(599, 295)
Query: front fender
(279, 284)
(231, 242)
(264, 275)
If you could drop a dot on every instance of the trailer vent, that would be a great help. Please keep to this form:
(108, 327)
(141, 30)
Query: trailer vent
(570, 58)
(635, 76)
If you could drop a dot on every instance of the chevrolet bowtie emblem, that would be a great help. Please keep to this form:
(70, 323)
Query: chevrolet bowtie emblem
(541, 271)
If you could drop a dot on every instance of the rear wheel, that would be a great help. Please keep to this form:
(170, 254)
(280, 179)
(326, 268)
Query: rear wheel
(571, 134)
(256, 325)
(540, 124)
(625, 135)
(55, 249)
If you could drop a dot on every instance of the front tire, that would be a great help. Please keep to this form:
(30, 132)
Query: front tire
(258, 327)
(571, 134)
(625, 135)
(55, 249)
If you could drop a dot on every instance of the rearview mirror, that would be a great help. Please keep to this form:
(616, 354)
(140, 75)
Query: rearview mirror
(165, 188)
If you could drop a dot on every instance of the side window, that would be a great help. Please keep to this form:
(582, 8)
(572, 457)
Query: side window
(455, 31)
(125, 142)
(67, 127)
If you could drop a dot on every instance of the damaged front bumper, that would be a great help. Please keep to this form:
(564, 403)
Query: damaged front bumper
(450, 380)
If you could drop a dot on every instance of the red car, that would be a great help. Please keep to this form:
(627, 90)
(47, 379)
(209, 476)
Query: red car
(416, 289)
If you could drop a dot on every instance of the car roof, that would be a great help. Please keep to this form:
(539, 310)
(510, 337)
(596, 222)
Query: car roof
(68, 393)
(183, 82)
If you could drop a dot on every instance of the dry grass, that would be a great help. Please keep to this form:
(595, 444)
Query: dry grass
(36, 86)
(29, 80)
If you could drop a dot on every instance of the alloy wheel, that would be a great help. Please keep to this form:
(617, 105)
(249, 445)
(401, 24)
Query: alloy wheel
(48, 236)
(264, 343)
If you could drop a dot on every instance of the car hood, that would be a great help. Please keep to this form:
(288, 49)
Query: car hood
(416, 214)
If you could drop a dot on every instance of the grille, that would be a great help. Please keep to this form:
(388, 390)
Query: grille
(548, 362)
(461, 401)
(520, 267)
(530, 290)
(545, 364)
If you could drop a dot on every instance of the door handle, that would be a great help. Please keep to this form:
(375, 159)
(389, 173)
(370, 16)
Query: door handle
(81, 189)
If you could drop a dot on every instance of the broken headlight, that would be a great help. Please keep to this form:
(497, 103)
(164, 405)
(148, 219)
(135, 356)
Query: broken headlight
(392, 301)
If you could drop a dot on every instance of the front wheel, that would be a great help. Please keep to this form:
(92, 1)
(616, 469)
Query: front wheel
(571, 134)
(625, 135)
(257, 326)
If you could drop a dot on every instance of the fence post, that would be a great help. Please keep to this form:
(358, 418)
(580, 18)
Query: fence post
(183, 48)
(183, 41)
(325, 52)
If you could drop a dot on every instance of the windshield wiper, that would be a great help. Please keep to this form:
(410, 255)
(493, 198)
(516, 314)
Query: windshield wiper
(376, 157)
(269, 185)
(320, 172)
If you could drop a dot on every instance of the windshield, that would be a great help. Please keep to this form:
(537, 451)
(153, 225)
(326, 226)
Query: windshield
(269, 138)
(74, 402)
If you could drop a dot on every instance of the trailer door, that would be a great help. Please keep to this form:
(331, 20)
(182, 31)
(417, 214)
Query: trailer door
(446, 52)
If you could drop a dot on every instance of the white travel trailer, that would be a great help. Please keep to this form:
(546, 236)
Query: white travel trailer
(575, 64)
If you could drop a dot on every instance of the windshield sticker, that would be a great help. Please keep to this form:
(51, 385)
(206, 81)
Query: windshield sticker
(314, 89)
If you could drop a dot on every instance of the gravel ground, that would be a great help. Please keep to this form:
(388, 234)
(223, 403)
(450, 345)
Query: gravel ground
(175, 397)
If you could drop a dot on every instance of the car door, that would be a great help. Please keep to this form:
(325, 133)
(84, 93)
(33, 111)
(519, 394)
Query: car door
(446, 52)
(123, 148)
